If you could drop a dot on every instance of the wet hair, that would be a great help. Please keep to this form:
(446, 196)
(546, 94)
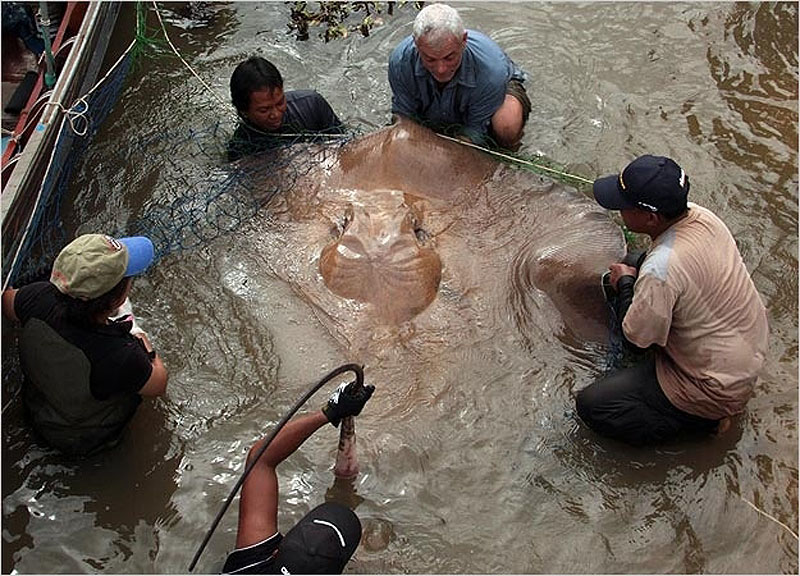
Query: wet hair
(84, 312)
(437, 22)
(255, 73)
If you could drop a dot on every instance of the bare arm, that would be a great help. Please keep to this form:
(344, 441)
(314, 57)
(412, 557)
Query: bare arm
(156, 385)
(258, 504)
(8, 304)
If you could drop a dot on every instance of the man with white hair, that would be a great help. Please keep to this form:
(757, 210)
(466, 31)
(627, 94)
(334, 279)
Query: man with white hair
(444, 76)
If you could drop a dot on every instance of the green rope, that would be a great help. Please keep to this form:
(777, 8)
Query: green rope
(540, 165)
(146, 42)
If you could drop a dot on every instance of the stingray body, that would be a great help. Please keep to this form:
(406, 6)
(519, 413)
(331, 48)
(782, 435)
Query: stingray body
(387, 255)
(406, 231)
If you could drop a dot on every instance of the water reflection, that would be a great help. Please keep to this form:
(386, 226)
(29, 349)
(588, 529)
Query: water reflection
(119, 498)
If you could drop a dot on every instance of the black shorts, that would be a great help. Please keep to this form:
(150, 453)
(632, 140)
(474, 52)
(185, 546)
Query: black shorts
(629, 405)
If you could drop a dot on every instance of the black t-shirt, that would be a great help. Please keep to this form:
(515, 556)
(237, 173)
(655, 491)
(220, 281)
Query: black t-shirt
(119, 361)
(256, 559)
(306, 112)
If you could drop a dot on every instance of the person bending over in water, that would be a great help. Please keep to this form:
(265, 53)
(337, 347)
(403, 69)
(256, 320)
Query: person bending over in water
(444, 75)
(324, 539)
(265, 110)
(85, 360)
(691, 302)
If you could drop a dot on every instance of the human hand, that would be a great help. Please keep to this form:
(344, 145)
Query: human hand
(146, 344)
(122, 311)
(125, 314)
(346, 400)
(618, 270)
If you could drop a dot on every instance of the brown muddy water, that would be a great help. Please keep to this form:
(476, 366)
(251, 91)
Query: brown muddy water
(472, 460)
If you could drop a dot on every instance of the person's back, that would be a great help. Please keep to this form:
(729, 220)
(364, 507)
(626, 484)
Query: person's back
(690, 305)
(81, 383)
(705, 300)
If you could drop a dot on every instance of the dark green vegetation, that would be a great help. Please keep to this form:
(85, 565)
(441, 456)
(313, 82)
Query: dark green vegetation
(339, 19)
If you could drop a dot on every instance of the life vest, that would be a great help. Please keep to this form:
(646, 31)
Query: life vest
(58, 397)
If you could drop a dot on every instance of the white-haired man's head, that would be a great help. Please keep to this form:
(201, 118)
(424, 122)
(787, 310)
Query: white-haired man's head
(437, 21)
(440, 38)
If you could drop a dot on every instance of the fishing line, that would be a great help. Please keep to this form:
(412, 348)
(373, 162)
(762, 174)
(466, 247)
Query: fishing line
(355, 368)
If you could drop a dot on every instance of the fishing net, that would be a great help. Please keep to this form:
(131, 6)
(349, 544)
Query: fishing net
(175, 167)
(168, 177)
(194, 206)
(195, 194)
(29, 251)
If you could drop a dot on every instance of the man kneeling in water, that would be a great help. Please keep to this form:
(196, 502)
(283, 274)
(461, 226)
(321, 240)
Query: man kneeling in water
(265, 110)
(691, 302)
(325, 538)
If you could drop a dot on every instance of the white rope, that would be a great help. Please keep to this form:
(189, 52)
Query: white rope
(72, 116)
(11, 162)
(68, 42)
(15, 136)
(36, 204)
(110, 70)
(785, 527)
(16, 393)
(185, 63)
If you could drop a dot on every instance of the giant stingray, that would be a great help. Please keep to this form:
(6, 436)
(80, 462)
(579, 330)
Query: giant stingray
(403, 237)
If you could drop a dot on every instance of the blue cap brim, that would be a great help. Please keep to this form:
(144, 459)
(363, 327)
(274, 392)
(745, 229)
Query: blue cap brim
(608, 194)
(140, 254)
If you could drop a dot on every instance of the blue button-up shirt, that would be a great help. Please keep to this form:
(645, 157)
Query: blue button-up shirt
(469, 99)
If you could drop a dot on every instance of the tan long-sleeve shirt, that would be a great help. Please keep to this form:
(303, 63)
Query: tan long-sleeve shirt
(695, 299)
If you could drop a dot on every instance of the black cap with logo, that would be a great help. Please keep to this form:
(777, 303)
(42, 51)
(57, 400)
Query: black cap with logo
(652, 183)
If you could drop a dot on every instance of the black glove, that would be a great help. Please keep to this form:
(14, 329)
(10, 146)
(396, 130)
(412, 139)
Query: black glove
(635, 258)
(346, 400)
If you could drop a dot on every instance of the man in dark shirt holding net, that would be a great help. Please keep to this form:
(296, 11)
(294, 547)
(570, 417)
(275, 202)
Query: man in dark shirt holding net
(267, 112)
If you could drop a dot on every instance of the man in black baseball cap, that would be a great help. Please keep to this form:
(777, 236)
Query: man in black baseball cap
(654, 184)
(689, 302)
(323, 541)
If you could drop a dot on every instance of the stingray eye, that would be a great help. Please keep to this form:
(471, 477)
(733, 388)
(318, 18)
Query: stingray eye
(416, 219)
(348, 216)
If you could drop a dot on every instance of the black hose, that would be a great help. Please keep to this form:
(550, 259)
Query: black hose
(359, 372)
